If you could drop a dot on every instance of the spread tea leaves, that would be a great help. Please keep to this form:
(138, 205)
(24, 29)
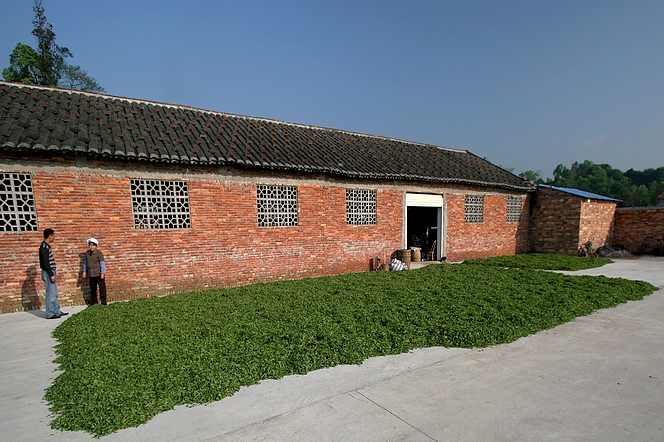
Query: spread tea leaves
(127, 362)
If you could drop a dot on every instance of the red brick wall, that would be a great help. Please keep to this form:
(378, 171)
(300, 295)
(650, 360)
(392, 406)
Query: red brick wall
(225, 246)
(555, 222)
(492, 237)
(631, 223)
(597, 222)
(561, 222)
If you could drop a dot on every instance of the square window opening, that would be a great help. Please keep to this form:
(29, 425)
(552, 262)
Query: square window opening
(276, 206)
(474, 208)
(17, 203)
(160, 204)
(514, 209)
(360, 207)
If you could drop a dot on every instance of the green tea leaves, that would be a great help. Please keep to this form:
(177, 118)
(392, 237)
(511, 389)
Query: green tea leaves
(125, 363)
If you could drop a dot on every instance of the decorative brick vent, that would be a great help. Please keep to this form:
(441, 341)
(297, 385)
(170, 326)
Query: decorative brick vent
(17, 203)
(159, 204)
(277, 206)
(514, 209)
(360, 207)
(474, 208)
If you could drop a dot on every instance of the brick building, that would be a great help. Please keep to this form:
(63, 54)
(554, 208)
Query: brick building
(184, 199)
(562, 220)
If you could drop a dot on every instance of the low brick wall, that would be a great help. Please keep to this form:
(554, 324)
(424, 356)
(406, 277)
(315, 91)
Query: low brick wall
(554, 222)
(597, 222)
(561, 222)
(632, 223)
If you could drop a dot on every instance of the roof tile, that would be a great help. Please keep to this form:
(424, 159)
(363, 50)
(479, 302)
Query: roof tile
(41, 118)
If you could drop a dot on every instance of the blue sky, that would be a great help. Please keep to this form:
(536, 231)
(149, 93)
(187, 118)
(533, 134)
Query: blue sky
(526, 84)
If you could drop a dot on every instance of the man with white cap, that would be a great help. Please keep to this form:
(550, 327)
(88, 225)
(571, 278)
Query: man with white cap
(96, 268)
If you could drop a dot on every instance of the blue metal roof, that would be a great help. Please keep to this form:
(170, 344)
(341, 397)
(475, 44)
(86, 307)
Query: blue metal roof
(581, 193)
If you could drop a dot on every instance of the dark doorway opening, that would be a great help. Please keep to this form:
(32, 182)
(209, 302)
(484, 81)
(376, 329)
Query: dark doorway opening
(422, 228)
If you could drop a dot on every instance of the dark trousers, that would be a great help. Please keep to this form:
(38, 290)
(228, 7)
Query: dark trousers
(94, 282)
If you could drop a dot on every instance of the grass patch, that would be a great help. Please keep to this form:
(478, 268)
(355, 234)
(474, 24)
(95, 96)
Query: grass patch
(127, 362)
(541, 261)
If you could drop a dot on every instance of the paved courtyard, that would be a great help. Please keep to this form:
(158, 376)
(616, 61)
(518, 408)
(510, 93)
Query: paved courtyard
(597, 378)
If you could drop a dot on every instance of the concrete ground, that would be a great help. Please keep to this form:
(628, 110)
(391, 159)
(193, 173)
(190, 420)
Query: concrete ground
(598, 378)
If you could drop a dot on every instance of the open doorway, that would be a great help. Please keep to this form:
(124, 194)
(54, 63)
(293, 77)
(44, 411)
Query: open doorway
(425, 224)
(422, 229)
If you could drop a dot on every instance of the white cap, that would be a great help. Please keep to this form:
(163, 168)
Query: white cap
(92, 241)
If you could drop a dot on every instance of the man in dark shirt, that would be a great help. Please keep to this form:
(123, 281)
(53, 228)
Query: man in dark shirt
(47, 264)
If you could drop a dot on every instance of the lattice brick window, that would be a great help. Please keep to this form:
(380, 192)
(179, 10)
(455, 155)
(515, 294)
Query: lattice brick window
(277, 205)
(513, 209)
(17, 203)
(159, 204)
(360, 207)
(474, 208)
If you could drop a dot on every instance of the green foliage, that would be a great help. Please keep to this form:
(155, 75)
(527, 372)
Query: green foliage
(541, 261)
(73, 77)
(23, 65)
(125, 363)
(645, 177)
(51, 56)
(532, 176)
(634, 188)
(46, 65)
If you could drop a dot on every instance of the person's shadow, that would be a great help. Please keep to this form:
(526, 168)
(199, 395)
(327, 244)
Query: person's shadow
(29, 298)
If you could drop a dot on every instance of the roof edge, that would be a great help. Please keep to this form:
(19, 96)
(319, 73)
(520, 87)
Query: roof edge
(580, 193)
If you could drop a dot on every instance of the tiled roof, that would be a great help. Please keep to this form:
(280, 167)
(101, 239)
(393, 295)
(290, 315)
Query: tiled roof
(581, 193)
(46, 119)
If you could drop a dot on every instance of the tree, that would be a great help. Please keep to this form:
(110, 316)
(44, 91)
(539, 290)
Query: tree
(532, 176)
(52, 57)
(47, 65)
(633, 188)
(563, 177)
(592, 177)
(23, 65)
(656, 189)
(641, 196)
(73, 77)
(646, 176)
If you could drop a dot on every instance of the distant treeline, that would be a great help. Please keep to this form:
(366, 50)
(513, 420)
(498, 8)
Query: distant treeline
(635, 187)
